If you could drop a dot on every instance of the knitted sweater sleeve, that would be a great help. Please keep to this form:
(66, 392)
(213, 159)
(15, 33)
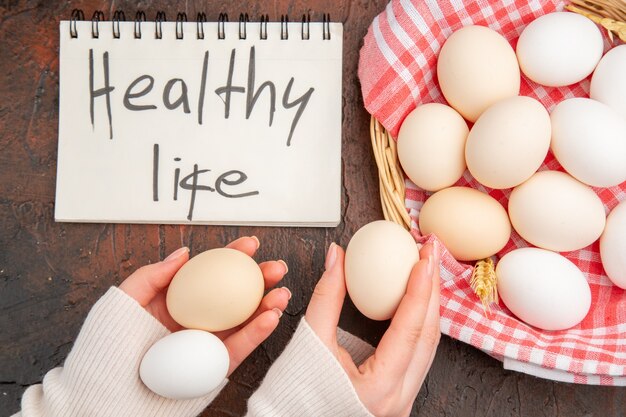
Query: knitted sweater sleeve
(100, 377)
(307, 380)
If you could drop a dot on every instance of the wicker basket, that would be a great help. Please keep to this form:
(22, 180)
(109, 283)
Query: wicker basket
(390, 175)
(610, 14)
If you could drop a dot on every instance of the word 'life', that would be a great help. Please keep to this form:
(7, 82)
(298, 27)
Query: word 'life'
(176, 94)
(191, 182)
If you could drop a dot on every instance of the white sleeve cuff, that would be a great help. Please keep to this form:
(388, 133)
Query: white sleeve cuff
(307, 380)
(100, 377)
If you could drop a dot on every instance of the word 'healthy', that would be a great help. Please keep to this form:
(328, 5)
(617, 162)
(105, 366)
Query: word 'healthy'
(175, 98)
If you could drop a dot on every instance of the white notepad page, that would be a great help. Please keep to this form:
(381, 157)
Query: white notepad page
(169, 139)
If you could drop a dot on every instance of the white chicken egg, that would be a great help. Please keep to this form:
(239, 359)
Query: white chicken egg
(613, 245)
(554, 211)
(608, 83)
(379, 260)
(589, 141)
(543, 288)
(184, 365)
(559, 49)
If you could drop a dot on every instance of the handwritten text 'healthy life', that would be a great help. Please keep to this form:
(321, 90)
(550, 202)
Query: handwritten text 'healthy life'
(175, 97)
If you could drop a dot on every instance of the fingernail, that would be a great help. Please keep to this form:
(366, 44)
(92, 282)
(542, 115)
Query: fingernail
(430, 267)
(278, 312)
(288, 292)
(258, 242)
(280, 261)
(331, 256)
(176, 254)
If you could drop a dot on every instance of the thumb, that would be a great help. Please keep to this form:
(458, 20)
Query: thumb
(324, 308)
(146, 282)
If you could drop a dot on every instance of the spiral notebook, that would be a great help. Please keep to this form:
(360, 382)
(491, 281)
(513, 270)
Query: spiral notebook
(234, 123)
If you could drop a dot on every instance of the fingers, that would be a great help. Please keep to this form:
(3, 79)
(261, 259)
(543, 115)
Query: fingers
(277, 298)
(241, 344)
(146, 282)
(273, 272)
(324, 309)
(397, 346)
(429, 339)
(158, 308)
(242, 340)
(246, 244)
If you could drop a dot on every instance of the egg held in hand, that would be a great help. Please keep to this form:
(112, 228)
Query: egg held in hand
(215, 290)
(378, 263)
(613, 245)
(543, 288)
(184, 365)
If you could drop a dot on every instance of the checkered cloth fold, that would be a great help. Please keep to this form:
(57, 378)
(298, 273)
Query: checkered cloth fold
(397, 72)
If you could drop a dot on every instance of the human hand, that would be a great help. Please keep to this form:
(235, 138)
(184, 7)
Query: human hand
(388, 381)
(148, 286)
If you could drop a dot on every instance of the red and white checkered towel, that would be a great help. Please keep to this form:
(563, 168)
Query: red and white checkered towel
(397, 72)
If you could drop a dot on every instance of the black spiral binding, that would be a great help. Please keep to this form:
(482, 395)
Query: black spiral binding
(117, 17)
(306, 21)
(77, 14)
(98, 16)
(326, 27)
(243, 21)
(263, 27)
(180, 18)
(284, 27)
(201, 19)
(139, 17)
(158, 28)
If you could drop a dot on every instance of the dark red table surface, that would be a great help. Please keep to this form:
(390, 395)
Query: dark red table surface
(52, 273)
